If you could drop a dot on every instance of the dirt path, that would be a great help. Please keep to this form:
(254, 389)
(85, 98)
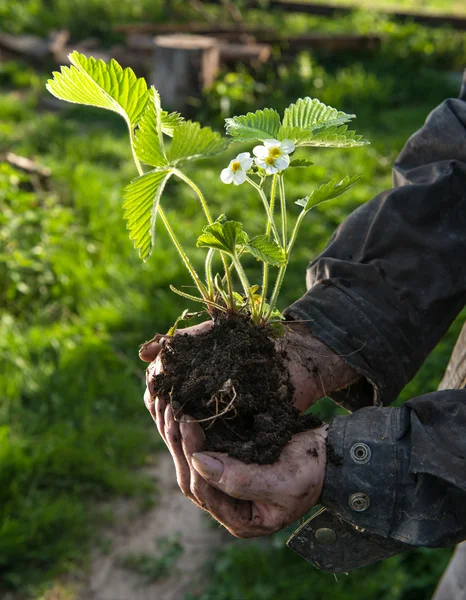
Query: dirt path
(172, 515)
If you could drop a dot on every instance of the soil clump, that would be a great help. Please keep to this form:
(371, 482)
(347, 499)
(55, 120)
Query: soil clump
(235, 382)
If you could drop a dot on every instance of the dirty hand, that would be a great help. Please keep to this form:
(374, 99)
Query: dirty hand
(249, 500)
(315, 370)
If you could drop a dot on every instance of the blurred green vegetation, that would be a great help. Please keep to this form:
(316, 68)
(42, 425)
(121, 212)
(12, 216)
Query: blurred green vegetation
(76, 301)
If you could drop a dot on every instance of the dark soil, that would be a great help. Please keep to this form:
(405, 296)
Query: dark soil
(234, 371)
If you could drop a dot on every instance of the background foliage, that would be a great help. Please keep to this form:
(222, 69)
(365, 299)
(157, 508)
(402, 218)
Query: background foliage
(76, 300)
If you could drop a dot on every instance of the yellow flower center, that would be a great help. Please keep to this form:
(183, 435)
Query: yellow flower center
(270, 160)
(236, 166)
(274, 152)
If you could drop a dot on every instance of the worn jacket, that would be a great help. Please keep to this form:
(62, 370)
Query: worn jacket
(382, 294)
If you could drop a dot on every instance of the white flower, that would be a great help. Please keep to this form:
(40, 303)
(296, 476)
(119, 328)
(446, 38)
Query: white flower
(273, 156)
(236, 170)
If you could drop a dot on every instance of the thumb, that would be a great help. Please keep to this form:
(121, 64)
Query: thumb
(237, 479)
(150, 350)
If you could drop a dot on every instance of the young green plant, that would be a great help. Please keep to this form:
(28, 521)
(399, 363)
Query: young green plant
(307, 122)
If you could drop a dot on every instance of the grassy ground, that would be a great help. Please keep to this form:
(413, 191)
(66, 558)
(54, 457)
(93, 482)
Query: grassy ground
(76, 301)
(451, 7)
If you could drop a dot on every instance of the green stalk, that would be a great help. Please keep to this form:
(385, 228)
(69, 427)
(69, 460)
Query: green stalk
(201, 287)
(265, 268)
(281, 182)
(268, 208)
(245, 283)
(208, 272)
(282, 270)
(200, 195)
(229, 282)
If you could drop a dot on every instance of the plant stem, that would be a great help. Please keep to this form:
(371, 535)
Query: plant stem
(245, 283)
(268, 208)
(281, 183)
(201, 287)
(200, 195)
(171, 233)
(282, 270)
(265, 268)
(208, 272)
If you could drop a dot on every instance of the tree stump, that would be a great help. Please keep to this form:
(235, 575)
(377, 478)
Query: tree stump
(184, 65)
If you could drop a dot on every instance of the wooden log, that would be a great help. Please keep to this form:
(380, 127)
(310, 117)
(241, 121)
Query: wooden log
(183, 67)
(245, 53)
(27, 165)
(29, 47)
(197, 28)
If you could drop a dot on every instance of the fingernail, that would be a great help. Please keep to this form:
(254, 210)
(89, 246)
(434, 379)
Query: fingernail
(208, 466)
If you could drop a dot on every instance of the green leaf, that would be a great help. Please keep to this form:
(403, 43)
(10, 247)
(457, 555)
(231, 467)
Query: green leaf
(223, 236)
(266, 250)
(142, 197)
(327, 191)
(307, 113)
(261, 125)
(300, 162)
(148, 141)
(191, 141)
(310, 112)
(309, 122)
(94, 83)
(332, 137)
(170, 121)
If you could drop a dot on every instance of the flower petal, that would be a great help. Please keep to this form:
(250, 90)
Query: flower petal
(287, 146)
(227, 175)
(246, 163)
(260, 151)
(282, 162)
(242, 155)
(271, 143)
(271, 169)
(239, 177)
(260, 162)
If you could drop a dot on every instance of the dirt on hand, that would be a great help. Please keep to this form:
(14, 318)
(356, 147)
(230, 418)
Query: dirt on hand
(235, 382)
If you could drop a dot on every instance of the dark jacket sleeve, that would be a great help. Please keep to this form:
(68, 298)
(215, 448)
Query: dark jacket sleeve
(384, 291)
(393, 276)
(395, 478)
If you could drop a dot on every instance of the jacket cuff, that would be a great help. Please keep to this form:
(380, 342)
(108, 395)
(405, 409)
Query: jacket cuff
(362, 468)
(364, 462)
(340, 320)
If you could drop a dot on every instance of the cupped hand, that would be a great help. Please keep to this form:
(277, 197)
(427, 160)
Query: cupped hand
(249, 500)
(315, 370)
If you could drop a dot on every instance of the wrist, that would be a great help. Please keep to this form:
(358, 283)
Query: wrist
(315, 369)
(321, 435)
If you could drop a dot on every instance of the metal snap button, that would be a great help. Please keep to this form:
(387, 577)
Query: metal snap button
(326, 536)
(360, 453)
(359, 502)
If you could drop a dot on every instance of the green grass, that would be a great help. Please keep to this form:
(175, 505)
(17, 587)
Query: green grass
(153, 566)
(450, 7)
(246, 570)
(76, 301)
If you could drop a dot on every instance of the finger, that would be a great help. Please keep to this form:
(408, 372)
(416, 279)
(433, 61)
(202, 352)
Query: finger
(159, 412)
(150, 350)
(173, 440)
(192, 440)
(233, 515)
(260, 483)
(149, 401)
